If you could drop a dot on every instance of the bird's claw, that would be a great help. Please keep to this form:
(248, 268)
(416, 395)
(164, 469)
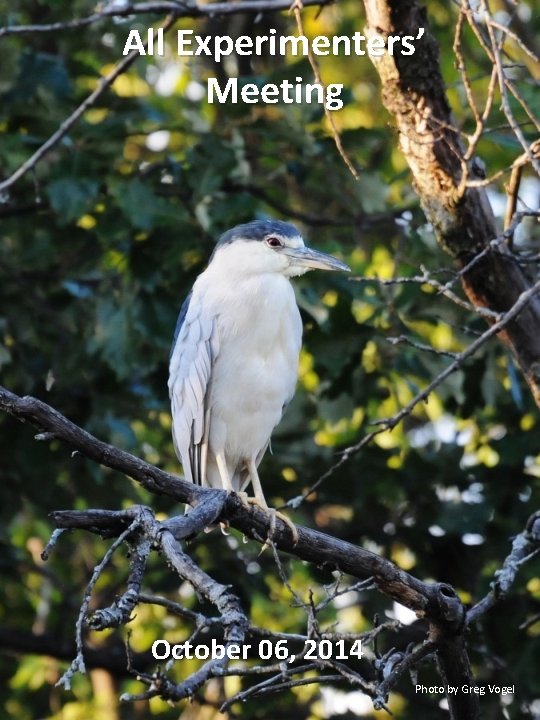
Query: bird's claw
(272, 529)
(273, 515)
(287, 521)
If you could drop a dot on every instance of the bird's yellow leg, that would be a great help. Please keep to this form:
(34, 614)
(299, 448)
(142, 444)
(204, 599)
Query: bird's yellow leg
(223, 472)
(225, 481)
(260, 501)
(257, 487)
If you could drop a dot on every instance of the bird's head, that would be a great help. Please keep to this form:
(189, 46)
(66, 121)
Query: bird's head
(270, 246)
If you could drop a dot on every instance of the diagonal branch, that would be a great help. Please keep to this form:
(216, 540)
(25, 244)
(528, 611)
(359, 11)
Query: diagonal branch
(143, 533)
(524, 547)
(75, 116)
(78, 664)
(256, 523)
(458, 359)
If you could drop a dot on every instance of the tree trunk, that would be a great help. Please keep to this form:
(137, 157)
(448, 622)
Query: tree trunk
(413, 92)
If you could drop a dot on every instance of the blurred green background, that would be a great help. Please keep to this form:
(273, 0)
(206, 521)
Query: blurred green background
(99, 246)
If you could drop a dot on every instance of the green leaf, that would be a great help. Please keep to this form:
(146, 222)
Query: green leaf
(72, 197)
(139, 204)
(111, 338)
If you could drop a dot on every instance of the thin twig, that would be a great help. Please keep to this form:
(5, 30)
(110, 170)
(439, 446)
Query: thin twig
(70, 121)
(512, 191)
(493, 54)
(426, 279)
(518, 306)
(515, 37)
(78, 663)
(403, 663)
(297, 8)
(403, 339)
(504, 96)
(524, 546)
(462, 67)
(391, 422)
(519, 162)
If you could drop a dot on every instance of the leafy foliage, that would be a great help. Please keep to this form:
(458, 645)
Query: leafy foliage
(99, 247)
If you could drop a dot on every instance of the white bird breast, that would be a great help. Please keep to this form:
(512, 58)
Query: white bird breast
(255, 372)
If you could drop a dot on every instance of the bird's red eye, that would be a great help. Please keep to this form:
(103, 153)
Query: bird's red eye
(274, 242)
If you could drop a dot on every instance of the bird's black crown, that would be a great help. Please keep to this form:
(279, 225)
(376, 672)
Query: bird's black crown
(258, 230)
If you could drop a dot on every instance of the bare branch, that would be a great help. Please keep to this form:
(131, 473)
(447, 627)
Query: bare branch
(312, 545)
(437, 602)
(503, 82)
(272, 686)
(460, 63)
(523, 299)
(296, 8)
(524, 547)
(404, 340)
(519, 163)
(512, 190)
(396, 664)
(390, 422)
(426, 279)
(414, 93)
(159, 7)
(78, 663)
(516, 38)
(198, 619)
(75, 116)
(119, 613)
(492, 50)
(233, 620)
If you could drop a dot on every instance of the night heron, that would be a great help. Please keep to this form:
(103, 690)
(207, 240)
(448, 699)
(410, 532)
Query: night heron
(234, 361)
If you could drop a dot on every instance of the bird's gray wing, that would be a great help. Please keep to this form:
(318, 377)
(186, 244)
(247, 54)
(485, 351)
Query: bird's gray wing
(180, 321)
(190, 373)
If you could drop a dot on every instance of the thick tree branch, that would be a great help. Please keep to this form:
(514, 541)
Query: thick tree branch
(438, 603)
(314, 546)
(455, 670)
(211, 505)
(46, 418)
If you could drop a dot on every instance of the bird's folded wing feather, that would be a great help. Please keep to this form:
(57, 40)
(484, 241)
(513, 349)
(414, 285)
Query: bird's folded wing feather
(190, 374)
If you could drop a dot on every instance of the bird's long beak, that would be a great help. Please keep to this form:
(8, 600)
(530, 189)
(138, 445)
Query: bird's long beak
(313, 259)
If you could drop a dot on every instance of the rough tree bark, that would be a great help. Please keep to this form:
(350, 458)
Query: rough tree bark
(413, 92)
